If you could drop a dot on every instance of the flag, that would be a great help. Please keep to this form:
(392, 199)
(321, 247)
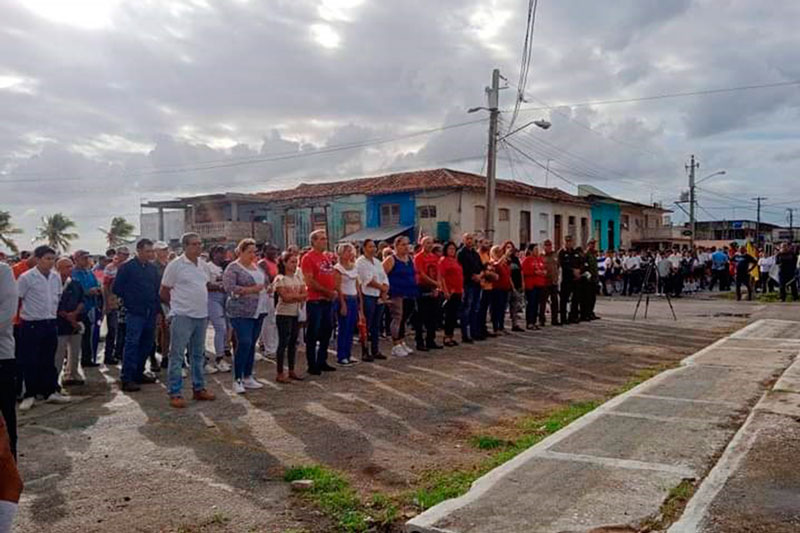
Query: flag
(751, 250)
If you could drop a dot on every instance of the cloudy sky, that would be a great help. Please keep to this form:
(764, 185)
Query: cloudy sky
(105, 103)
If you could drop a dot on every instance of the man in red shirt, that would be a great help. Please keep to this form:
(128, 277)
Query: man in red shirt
(534, 272)
(426, 267)
(318, 275)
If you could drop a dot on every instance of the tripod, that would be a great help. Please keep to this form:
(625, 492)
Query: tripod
(648, 288)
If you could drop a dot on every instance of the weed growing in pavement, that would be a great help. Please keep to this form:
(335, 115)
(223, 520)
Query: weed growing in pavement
(338, 499)
(672, 507)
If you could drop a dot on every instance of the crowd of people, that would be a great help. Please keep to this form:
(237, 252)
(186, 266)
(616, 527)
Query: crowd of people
(675, 271)
(156, 307)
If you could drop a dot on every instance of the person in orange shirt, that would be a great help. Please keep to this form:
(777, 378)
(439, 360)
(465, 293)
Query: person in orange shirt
(488, 276)
(426, 267)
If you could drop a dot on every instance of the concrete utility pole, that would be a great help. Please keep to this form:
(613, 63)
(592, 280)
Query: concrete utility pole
(758, 217)
(493, 95)
(790, 210)
(691, 167)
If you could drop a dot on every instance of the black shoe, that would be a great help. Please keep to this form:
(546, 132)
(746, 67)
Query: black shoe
(422, 348)
(467, 340)
(379, 356)
(491, 335)
(367, 358)
(148, 380)
(89, 364)
(517, 329)
(479, 338)
(130, 386)
(110, 361)
(327, 368)
(314, 372)
(558, 323)
(434, 346)
(73, 382)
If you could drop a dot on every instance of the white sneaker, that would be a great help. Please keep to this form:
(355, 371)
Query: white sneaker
(211, 368)
(57, 397)
(259, 357)
(407, 348)
(27, 403)
(252, 383)
(184, 373)
(398, 351)
(222, 366)
(238, 386)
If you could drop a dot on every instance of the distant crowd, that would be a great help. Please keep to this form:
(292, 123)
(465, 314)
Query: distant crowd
(155, 306)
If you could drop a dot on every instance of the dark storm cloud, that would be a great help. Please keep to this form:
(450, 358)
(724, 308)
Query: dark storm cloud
(98, 119)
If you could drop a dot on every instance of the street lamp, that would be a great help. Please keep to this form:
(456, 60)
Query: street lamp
(717, 173)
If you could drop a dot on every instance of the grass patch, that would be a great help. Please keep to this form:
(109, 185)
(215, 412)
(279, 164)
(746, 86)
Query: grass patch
(334, 495)
(672, 507)
(487, 442)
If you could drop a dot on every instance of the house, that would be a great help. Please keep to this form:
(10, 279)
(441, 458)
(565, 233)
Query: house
(622, 224)
(441, 202)
(721, 232)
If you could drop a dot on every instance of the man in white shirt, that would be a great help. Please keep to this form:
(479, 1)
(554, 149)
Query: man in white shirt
(8, 365)
(184, 288)
(39, 293)
(631, 267)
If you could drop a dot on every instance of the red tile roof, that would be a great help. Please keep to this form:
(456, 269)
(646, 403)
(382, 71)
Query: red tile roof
(426, 180)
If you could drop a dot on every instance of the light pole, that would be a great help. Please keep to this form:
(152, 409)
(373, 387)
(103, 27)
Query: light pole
(493, 97)
(691, 167)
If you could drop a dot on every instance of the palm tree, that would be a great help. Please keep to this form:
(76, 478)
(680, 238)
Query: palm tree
(119, 232)
(6, 229)
(55, 231)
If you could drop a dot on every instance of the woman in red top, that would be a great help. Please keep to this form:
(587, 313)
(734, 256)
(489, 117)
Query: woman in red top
(534, 273)
(501, 288)
(452, 276)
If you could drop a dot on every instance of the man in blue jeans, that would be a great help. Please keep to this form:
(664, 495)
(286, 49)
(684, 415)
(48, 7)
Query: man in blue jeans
(472, 265)
(184, 286)
(136, 284)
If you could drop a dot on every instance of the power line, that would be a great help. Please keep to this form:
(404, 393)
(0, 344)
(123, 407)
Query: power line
(235, 162)
(527, 48)
(671, 95)
(553, 172)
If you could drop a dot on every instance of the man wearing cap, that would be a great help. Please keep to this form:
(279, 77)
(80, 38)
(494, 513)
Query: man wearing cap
(115, 336)
(82, 274)
(137, 285)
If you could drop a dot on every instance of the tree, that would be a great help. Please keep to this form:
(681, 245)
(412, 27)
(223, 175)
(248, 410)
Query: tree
(7, 228)
(55, 231)
(119, 232)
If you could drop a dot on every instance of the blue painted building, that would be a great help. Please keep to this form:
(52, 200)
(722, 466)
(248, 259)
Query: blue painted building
(606, 215)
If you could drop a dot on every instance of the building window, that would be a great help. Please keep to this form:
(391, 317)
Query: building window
(598, 227)
(544, 226)
(524, 227)
(318, 221)
(557, 231)
(611, 238)
(351, 221)
(390, 214)
(572, 229)
(503, 215)
(480, 218)
(290, 230)
(584, 231)
(625, 222)
(426, 211)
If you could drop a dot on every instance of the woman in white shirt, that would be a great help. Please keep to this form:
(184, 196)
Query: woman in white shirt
(291, 291)
(374, 288)
(348, 289)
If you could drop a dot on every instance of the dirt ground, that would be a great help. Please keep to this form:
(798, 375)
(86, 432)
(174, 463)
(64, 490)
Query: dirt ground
(127, 462)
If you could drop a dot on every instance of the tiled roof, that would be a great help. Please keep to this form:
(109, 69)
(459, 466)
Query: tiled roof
(433, 179)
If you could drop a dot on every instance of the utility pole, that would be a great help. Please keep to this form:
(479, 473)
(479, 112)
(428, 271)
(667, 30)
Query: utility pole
(493, 95)
(691, 167)
(758, 218)
(790, 210)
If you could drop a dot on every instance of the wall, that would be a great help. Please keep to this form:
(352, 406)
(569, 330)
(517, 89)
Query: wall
(636, 226)
(606, 213)
(173, 225)
(448, 210)
(355, 202)
(541, 228)
(404, 200)
(570, 210)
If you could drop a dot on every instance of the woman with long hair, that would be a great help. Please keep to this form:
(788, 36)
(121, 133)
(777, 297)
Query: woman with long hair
(534, 272)
(291, 293)
(245, 285)
(403, 291)
(452, 276)
(349, 294)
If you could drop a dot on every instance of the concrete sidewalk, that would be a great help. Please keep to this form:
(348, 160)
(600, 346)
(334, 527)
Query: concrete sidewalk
(613, 468)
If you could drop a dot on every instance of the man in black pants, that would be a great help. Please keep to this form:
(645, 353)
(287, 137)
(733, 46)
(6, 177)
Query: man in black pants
(8, 364)
(551, 288)
(787, 269)
(570, 260)
(39, 293)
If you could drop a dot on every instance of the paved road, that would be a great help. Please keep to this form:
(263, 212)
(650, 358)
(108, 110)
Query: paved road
(128, 462)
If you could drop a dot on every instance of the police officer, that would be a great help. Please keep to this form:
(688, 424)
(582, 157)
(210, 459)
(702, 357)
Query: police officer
(590, 281)
(571, 261)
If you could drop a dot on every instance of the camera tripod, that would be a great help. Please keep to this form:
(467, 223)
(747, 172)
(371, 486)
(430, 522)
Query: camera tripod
(649, 288)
